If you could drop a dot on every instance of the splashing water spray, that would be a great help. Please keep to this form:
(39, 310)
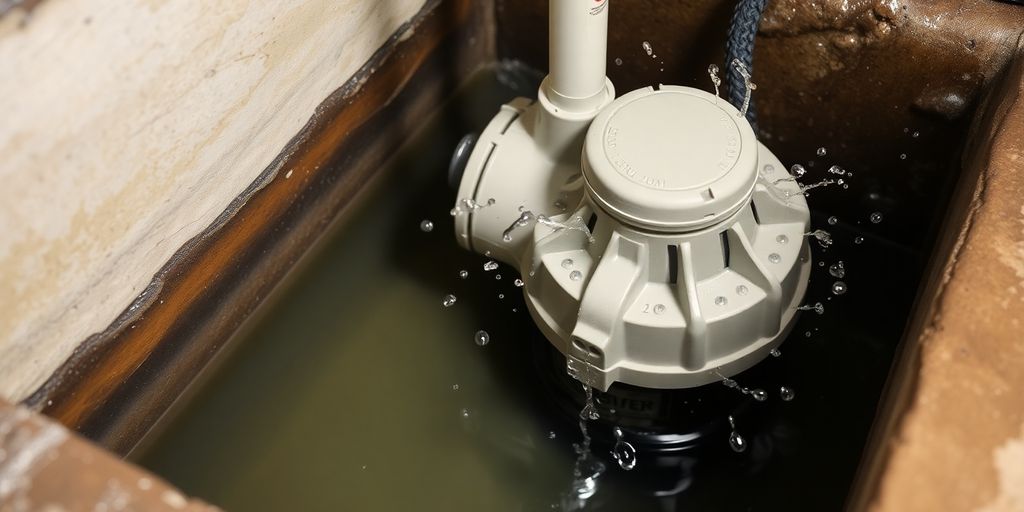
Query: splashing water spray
(685, 236)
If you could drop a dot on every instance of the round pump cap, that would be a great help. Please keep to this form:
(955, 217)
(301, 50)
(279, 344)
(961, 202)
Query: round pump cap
(673, 159)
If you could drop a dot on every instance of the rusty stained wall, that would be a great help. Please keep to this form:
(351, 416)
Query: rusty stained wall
(859, 77)
(129, 127)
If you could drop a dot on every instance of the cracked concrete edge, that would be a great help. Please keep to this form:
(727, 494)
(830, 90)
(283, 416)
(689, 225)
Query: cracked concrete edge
(45, 467)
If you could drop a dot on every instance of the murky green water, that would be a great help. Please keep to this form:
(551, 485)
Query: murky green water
(361, 391)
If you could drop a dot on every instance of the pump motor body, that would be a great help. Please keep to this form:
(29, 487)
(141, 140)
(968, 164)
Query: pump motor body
(671, 248)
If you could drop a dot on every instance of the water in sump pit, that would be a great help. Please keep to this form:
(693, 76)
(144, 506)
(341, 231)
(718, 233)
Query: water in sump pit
(361, 390)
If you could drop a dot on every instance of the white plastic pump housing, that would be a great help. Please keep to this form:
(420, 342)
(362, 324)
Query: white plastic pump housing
(697, 259)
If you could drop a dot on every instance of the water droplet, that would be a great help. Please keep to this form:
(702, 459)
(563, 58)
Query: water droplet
(623, 452)
(482, 338)
(552, 435)
(518, 283)
(659, 309)
(759, 394)
(786, 394)
(838, 287)
(774, 257)
(497, 277)
(768, 169)
(455, 387)
(490, 265)
(426, 226)
(567, 263)
(575, 275)
(821, 152)
(448, 301)
(501, 296)
(797, 170)
(832, 221)
(817, 307)
(741, 290)
(465, 413)
(648, 48)
(467, 205)
(463, 274)
(807, 334)
(776, 352)
(876, 217)
(903, 156)
(823, 237)
(782, 239)
(858, 240)
(915, 134)
(837, 270)
(721, 301)
(736, 441)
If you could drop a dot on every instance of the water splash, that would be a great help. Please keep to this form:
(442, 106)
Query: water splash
(527, 218)
(448, 300)
(804, 189)
(823, 237)
(467, 205)
(749, 85)
(623, 452)
(736, 441)
(817, 307)
(426, 226)
(757, 394)
(716, 80)
(776, 352)
(490, 265)
(648, 49)
(587, 469)
(518, 283)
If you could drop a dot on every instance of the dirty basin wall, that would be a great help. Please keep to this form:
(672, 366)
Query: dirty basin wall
(129, 128)
(196, 161)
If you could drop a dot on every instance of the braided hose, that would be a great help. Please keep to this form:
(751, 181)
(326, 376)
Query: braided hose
(740, 46)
